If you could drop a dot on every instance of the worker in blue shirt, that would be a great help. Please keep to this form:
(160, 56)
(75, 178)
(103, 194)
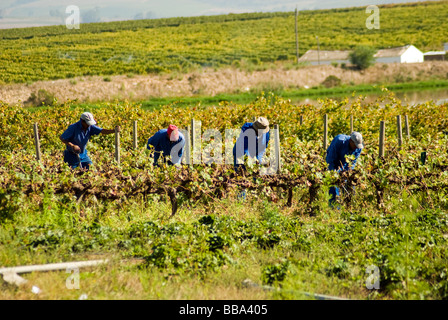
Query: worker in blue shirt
(252, 141)
(76, 137)
(169, 142)
(341, 146)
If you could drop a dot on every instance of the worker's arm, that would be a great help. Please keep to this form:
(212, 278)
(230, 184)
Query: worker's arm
(74, 147)
(152, 144)
(263, 148)
(180, 145)
(67, 136)
(332, 156)
(107, 131)
(357, 153)
(153, 141)
(239, 150)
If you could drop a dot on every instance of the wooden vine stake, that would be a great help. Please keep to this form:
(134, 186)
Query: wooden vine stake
(382, 138)
(325, 131)
(277, 146)
(351, 124)
(399, 132)
(186, 159)
(301, 120)
(37, 143)
(196, 141)
(117, 146)
(406, 127)
(134, 135)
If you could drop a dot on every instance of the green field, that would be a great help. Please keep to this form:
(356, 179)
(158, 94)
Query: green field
(283, 235)
(185, 44)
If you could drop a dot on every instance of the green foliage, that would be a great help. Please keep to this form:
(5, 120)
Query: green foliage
(274, 274)
(42, 98)
(396, 220)
(362, 57)
(331, 81)
(186, 44)
(339, 268)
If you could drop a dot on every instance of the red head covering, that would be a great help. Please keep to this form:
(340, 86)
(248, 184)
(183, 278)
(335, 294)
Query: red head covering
(173, 132)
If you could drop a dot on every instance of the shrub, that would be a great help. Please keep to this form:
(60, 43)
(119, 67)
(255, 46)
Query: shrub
(362, 57)
(236, 63)
(274, 273)
(331, 81)
(43, 97)
(255, 61)
(339, 268)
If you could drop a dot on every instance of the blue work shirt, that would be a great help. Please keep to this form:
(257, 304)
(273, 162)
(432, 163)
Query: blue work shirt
(76, 135)
(242, 148)
(162, 143)
(336, 152)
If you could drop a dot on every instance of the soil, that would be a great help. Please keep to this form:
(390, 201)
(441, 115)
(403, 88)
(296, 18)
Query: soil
(210, 82)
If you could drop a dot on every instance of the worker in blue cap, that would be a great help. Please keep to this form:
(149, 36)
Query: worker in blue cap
(76, 137)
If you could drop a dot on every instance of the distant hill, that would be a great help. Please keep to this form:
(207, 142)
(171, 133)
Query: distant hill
(23, 13)
(248, 40)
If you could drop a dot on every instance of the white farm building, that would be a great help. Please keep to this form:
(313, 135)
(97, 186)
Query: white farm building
(406, 54)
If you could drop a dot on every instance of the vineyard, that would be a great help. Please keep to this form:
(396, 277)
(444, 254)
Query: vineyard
(181, 45)
(191, 231)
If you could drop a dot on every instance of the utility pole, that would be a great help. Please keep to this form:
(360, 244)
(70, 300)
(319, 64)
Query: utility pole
(318, 50)
(297, 36)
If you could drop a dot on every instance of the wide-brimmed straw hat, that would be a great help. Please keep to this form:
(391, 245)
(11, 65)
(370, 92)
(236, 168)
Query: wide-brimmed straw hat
(261, 124)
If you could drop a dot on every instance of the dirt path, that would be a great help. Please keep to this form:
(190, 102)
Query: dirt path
(210, 82)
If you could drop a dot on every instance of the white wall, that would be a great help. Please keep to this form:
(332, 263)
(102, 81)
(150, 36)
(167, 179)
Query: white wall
(412, 55)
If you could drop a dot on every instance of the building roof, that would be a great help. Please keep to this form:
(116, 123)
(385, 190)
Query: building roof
(391, 52)
(434, 53)
(322, 55)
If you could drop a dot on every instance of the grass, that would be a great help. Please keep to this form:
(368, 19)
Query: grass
(318, 92)
(323, 255)
(157, 103)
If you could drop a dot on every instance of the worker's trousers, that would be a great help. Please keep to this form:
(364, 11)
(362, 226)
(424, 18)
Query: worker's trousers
(335, 192)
